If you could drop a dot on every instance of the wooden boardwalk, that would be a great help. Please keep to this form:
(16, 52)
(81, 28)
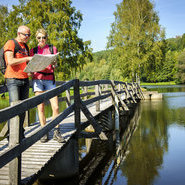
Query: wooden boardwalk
(35, 157)
(38, 155)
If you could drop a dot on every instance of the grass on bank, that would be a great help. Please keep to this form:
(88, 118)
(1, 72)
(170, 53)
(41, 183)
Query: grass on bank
(159, 83)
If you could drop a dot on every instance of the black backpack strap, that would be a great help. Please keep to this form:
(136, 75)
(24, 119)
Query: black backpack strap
(51, 48)
(18, 47)
(35, 50)
(27, 48)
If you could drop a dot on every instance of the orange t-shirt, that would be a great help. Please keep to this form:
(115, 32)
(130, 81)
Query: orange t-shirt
(16, 71)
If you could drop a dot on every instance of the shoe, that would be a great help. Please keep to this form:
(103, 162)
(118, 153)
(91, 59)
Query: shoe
(57, 136)
(44, 138)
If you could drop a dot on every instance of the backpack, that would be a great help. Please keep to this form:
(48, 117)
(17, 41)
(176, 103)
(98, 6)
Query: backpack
(2, 59)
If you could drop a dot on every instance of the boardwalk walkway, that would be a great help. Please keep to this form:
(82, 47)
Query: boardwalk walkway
(36, 155)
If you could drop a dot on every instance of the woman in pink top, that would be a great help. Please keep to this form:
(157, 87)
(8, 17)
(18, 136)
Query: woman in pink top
(45, 80)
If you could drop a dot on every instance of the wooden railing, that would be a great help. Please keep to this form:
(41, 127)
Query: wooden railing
(97, 90)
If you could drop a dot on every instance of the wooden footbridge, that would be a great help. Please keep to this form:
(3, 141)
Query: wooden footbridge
(22, 161)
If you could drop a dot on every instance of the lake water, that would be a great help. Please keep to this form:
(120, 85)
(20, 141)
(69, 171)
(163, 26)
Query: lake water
(155, 154)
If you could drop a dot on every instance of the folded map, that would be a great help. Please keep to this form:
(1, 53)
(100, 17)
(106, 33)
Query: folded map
(40, 62)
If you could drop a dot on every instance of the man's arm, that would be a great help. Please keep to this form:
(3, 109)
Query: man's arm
(14, 61)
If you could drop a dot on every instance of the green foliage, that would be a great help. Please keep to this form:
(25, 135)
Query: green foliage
(176, 44)
(137, 39)
(136, 44)
(62, 22)
(181, 68)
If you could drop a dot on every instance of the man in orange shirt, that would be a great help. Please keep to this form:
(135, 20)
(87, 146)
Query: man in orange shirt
(16, 79)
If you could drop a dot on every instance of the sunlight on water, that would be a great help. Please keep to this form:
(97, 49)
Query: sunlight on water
(175, 100)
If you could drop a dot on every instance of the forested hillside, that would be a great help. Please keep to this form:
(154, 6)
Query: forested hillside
(171, 69)
(137, 48)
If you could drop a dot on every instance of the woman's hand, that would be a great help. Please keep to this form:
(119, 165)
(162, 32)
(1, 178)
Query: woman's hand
(54, 63)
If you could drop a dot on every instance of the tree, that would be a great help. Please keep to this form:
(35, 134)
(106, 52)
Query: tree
(137, 38)
(3, 15)
(62, 23)
(181, 68)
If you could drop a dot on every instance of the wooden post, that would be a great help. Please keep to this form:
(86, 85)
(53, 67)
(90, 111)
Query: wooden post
(106, 87)
(126, 91)
(85, 91)
(119, 89)
(130, 93)
(134, 91)
(97, 93)
(77, 106)
(15, 138)
(68, 98)
(117, 118)
(137, 90)
(140, 91)
(27, 119)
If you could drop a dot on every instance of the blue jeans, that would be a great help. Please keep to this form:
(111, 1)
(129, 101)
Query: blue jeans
(18, 89)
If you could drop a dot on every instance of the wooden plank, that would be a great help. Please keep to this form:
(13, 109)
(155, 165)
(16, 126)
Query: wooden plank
(97, 94)
(4, 131)
(68, 98)
(124, 106)
(92, 100)
(85, 92)
(27, 142)
(128, 92)
(15, 138)
(90, 117)
(92, 83)
(77, 115)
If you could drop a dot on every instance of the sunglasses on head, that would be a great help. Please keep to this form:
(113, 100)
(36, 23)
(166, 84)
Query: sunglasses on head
(41, 37)
(26, 35)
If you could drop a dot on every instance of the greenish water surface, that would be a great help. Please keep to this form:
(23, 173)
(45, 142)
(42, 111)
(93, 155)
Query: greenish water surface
(156, 151)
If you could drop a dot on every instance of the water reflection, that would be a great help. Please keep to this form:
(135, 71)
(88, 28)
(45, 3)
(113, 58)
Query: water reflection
(155, 153)
(147, 146)
(103, 159)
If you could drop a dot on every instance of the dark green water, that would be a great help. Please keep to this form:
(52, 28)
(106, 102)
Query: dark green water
(156, 151)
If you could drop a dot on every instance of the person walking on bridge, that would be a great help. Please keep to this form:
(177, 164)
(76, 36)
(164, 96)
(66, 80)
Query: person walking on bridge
(45, 80)
(16, 53)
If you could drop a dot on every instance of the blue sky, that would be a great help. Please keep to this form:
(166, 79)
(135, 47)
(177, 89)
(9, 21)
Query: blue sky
(98, 16)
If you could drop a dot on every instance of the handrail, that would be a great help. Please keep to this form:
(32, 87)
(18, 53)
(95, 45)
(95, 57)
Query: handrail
(10, 112)
(15, 151)
(131, 91)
